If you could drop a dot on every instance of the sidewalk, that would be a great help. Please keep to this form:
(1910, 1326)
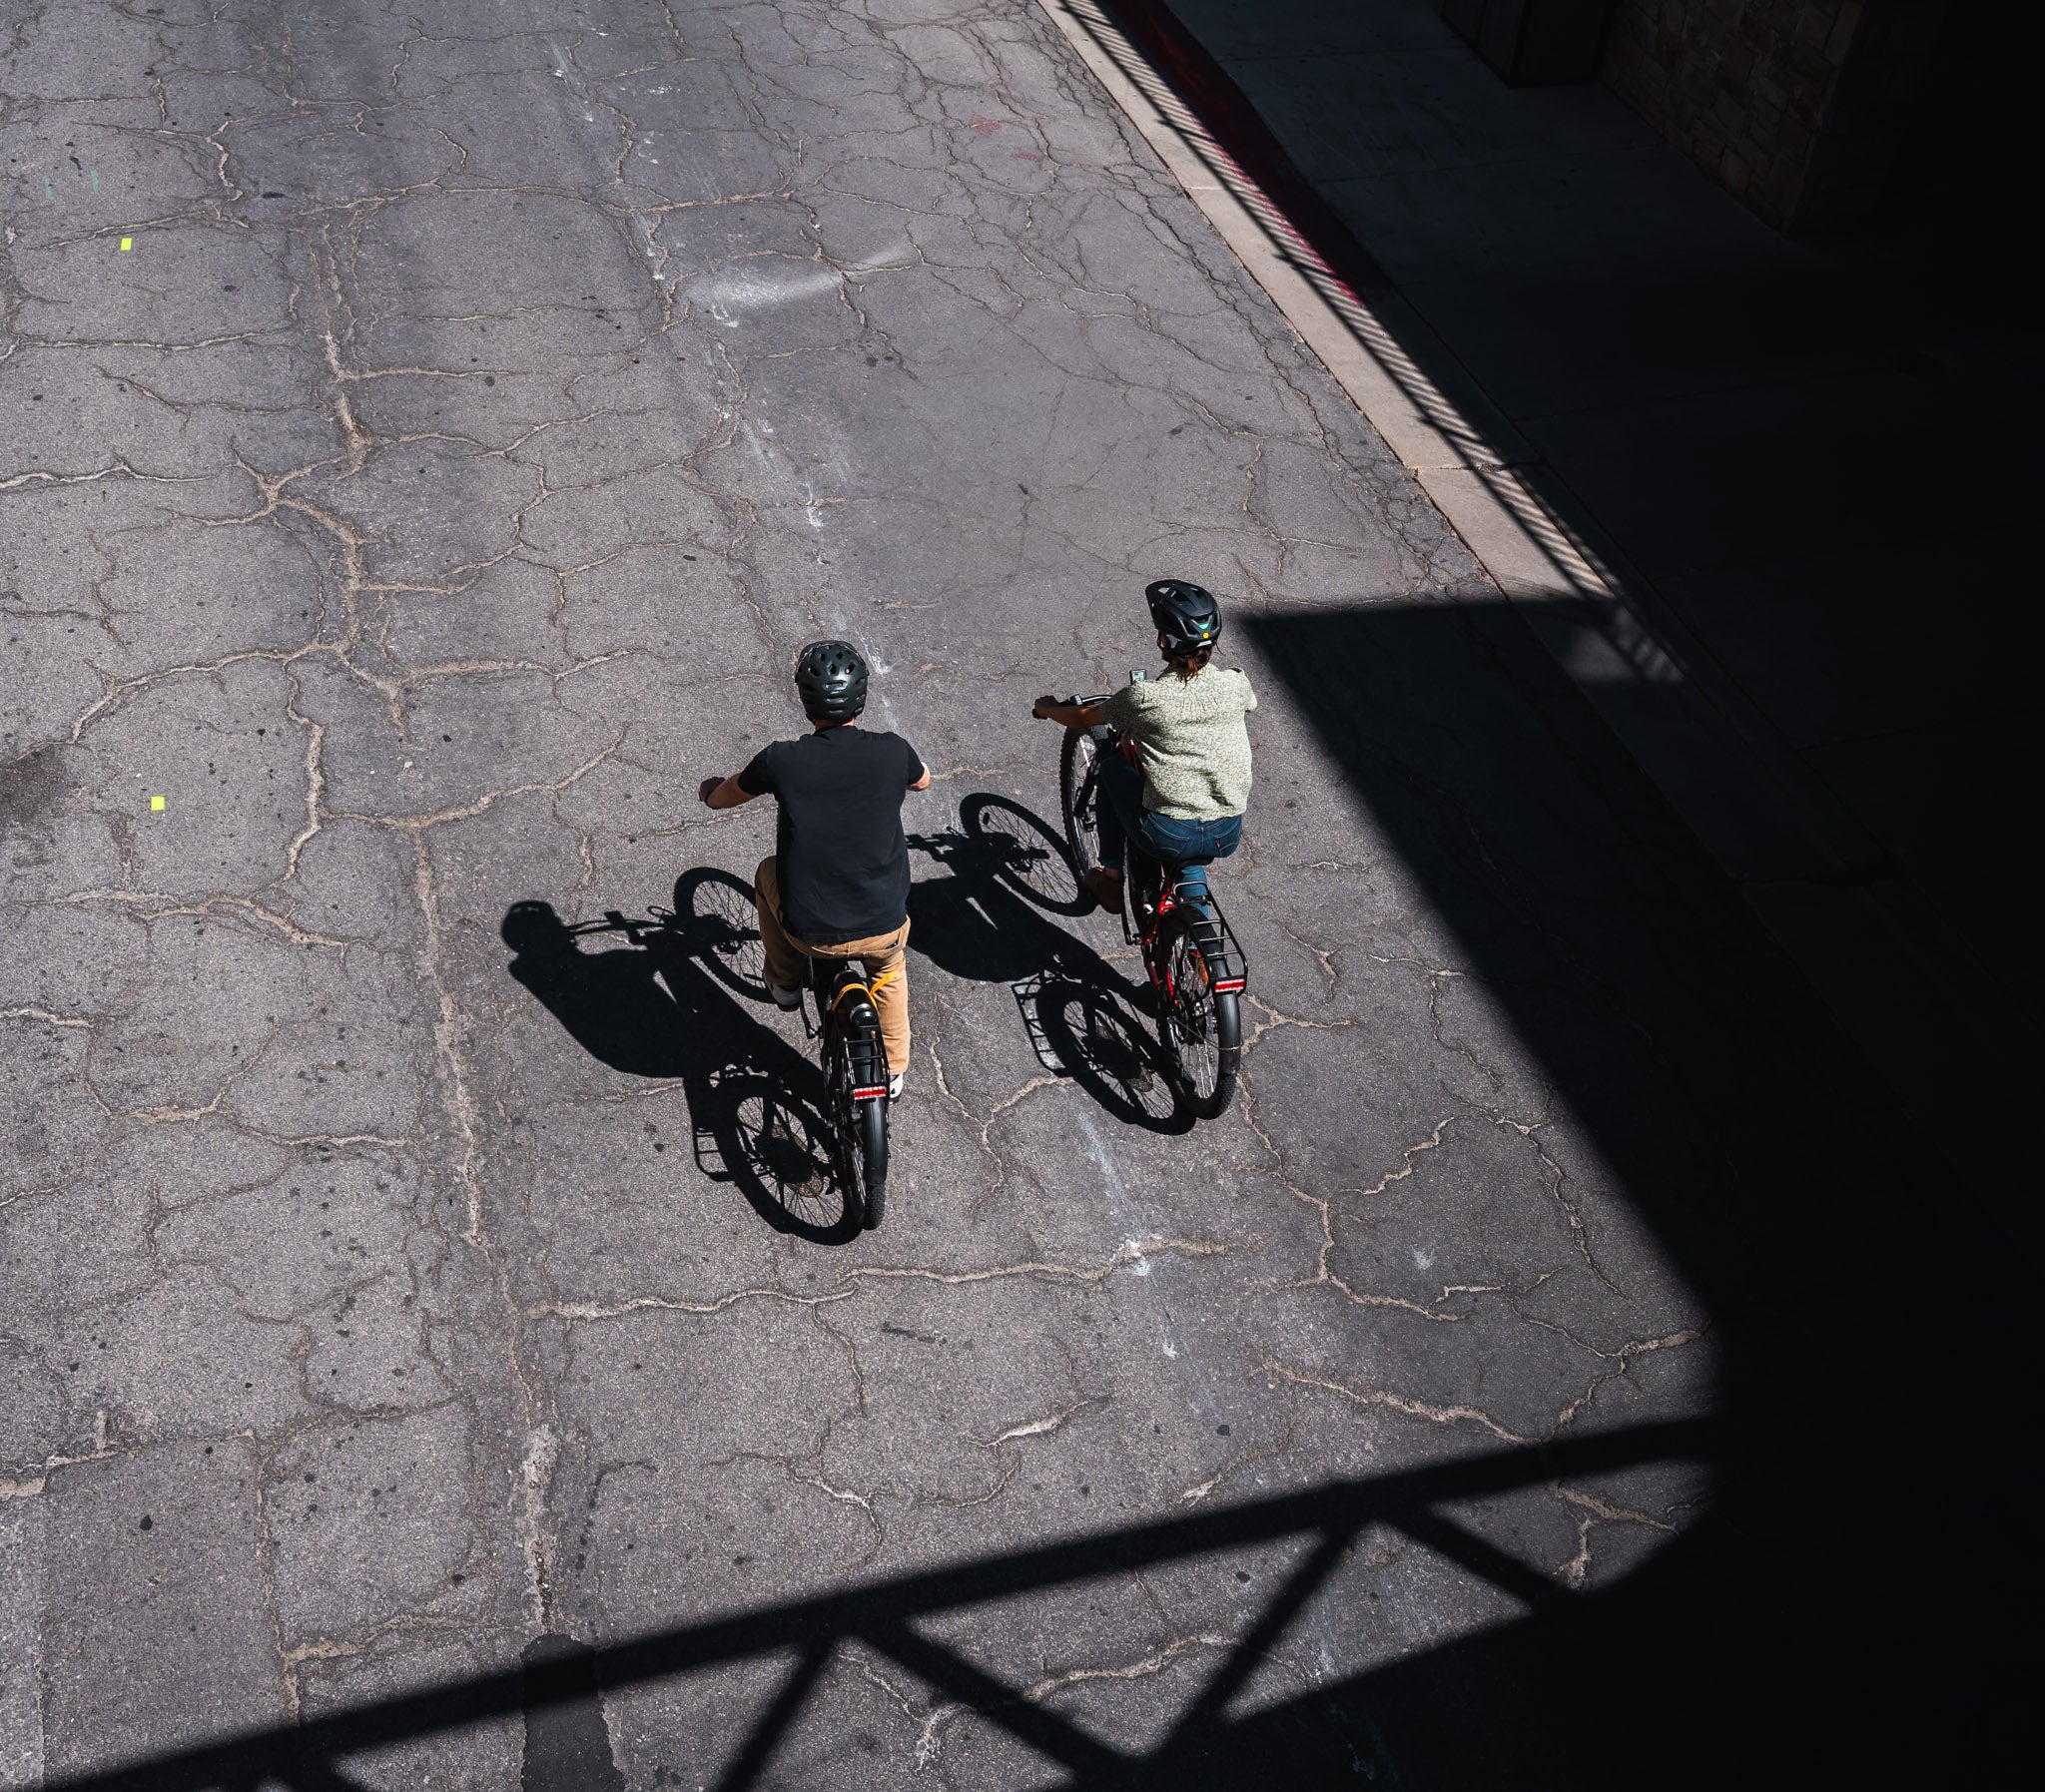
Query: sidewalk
(1798, 473)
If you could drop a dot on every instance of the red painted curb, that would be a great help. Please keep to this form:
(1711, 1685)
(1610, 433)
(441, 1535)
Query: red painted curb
(1240, 131)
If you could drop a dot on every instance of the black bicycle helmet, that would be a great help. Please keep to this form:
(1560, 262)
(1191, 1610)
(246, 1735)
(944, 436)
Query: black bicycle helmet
(831, 678)
(1186, 615)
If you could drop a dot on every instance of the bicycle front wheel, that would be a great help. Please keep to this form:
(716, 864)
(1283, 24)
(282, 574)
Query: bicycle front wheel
(1080, 796)
(1202, 1025)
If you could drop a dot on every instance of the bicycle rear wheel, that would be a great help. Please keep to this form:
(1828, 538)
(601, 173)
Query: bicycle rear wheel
(1079, 797)
(1202, 1025)
(858, 1128)
(870, 1142)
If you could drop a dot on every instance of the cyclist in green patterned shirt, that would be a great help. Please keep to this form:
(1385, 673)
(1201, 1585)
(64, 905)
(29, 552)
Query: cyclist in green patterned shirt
(1187, 801)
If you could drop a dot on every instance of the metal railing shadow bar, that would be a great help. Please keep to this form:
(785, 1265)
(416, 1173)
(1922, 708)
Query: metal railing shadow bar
(971, 1685)
(750, 1761)
(1300, 1586)
(879, 1615)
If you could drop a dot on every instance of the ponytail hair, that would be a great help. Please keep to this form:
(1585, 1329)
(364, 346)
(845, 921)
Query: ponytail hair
(1190, 664)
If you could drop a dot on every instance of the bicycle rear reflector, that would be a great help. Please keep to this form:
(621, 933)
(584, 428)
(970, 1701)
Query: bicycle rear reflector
(872, 1094)
(1229, 985)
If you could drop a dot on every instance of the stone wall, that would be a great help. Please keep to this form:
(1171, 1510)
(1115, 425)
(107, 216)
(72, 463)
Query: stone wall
(1799, 107)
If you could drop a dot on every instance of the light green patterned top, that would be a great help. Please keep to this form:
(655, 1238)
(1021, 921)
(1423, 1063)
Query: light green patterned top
(1190, 740)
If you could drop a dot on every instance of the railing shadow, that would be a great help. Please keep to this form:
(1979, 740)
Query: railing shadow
(1310, 1740)
(657, 997)
(991, 921)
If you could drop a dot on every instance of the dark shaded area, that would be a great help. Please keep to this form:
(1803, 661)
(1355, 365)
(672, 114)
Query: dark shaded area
(567, 1748)
(1222, 108)
(1330, 1734)
(655, 998)
(990, 921)
(1805, 462)
(1952, 191)
(1775, 1169)
(1530, 42)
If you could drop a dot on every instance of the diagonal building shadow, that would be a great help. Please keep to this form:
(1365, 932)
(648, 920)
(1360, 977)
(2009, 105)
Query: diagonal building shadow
(1777, 1176)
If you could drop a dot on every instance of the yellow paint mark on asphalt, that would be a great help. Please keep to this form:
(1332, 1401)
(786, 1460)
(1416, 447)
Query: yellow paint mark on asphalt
(127, 243)
(156, 804)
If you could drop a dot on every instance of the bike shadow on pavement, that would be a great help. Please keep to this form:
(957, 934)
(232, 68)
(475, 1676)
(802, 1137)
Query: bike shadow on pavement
(991, 921)
(658, 998)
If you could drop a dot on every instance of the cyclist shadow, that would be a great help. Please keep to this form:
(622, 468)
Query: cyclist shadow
(991, 921)
(659, 1000)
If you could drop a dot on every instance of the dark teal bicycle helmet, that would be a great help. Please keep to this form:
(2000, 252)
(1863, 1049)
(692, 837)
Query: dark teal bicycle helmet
(1186, 615)
(830, 679)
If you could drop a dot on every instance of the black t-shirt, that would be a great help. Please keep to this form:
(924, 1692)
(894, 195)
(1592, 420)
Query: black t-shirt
(839, 850)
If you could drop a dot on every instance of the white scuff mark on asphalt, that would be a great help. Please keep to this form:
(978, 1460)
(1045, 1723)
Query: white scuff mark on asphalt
(536, 1474)
(1110, 1175)
(1203, 1398)
(729, 292)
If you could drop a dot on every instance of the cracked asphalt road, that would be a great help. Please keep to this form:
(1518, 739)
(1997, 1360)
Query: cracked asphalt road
(428, 432)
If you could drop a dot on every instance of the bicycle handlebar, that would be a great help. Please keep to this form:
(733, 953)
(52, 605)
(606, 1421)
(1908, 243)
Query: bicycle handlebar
(1079, 703)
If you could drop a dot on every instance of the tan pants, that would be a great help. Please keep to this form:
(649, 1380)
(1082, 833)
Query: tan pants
(880, 959)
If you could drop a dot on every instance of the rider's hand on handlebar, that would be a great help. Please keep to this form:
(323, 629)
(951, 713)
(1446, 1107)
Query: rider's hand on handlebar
(1042, 706)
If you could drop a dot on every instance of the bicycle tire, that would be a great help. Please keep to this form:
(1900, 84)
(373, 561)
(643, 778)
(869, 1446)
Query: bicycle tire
(1079, 795)
(871, 1144)
(1201, 1025)
(859, 1131)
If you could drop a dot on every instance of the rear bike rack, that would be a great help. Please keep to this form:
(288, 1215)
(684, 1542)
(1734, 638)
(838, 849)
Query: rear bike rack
(1227, 963)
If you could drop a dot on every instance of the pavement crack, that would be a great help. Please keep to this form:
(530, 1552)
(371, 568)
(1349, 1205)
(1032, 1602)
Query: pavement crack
(1385, 1400)
(1133, 1255)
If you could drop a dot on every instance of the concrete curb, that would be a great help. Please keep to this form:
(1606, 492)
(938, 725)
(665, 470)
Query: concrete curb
(1870, 943)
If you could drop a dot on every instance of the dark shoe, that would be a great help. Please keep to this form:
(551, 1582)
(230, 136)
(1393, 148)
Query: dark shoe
(787, 996)
(1105, 887)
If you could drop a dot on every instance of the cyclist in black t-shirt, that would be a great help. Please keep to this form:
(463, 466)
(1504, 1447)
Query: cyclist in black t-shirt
(837, 885)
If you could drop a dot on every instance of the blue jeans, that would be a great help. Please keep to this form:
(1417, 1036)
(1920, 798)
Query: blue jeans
(1123, 818)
